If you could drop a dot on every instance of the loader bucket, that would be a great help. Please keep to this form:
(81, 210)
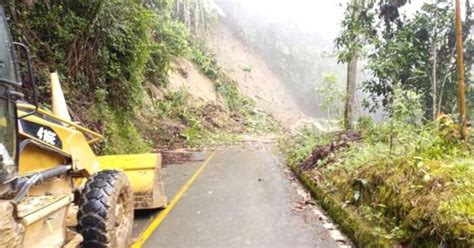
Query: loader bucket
(144, 173)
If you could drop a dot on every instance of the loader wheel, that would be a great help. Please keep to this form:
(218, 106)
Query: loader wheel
(105, 216)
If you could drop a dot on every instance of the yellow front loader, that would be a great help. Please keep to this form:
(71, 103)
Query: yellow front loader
(54, 191)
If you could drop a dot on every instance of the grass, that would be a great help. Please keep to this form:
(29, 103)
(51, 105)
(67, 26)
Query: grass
(413, 184)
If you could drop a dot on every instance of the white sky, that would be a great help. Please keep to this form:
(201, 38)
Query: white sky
(320, 16)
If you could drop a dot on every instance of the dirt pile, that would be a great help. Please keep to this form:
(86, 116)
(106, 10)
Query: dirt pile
(216, 117)
(175, 132)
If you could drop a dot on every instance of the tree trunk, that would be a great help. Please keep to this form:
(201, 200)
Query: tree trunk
(434, 83)
(351, 92)
(445, 79)
(460, 72)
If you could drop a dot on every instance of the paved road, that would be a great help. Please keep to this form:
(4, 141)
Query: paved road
(242, 199)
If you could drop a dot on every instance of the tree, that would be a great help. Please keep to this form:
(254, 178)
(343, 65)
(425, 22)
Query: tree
(332, 94)
(434, 74)
(358, 29)
(460, 71)
(416, 54)
(195, 13)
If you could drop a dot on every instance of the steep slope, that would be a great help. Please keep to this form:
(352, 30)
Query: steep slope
(185, 76)
(254, 77)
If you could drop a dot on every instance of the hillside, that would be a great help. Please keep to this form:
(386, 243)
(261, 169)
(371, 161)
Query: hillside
(145, 83)
(254, 77)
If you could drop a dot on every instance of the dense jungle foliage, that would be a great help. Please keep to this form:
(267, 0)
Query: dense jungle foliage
(109, 52)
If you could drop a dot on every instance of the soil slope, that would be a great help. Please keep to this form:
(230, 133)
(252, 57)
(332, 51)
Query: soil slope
(186, 76)
(254, 77)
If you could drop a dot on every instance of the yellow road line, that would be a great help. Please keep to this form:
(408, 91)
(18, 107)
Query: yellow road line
(162, 215)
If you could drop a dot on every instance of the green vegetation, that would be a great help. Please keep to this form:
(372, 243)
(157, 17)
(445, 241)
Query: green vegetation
(422, 197)
(411, 183)
(415, 52)
(332, 95)
(225, 86)
(356, 30)
(407, 180)
(109, 52)
(102, 54)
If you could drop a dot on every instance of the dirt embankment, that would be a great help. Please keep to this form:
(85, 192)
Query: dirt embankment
(254, 77)
(187, 77)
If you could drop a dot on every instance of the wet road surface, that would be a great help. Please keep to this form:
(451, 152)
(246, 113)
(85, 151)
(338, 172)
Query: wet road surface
(241, 199)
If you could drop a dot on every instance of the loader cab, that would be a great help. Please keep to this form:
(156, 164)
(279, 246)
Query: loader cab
(9, 81)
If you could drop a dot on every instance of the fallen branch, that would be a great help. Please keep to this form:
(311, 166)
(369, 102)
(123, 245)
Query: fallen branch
(323, 152)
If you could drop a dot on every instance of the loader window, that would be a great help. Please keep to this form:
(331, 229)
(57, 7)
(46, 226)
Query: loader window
(8, 67)
(7, 137)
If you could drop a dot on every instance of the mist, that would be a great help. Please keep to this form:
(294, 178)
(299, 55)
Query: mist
(319, 17)
(297, 39)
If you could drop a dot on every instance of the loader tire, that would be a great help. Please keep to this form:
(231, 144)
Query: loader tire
(105, 216)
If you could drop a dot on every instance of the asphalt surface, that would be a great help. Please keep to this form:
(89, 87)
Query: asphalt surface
(242, 199)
